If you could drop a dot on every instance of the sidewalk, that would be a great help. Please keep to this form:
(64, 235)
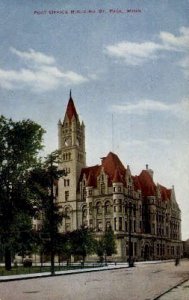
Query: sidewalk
(110, 266)
(180, 291)
(58, 273)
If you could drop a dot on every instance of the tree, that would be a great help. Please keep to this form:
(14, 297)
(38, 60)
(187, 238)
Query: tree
(109, 242)
(107, 245)
(43, 182)
(20, 143)
(82, 242)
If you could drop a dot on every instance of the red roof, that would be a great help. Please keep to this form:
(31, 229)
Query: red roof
(110, 164)
(91, 179)
(165, 193)
(136, 182)
(71, 110)
(148, 187)
(116, 172)
(95, 171)
(117, 177)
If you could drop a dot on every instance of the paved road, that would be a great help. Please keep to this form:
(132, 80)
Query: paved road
(144, 282)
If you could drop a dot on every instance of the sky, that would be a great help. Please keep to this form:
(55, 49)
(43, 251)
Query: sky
(127, 64)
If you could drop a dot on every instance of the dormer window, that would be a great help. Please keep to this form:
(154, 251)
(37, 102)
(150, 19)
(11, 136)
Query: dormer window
(102, 188)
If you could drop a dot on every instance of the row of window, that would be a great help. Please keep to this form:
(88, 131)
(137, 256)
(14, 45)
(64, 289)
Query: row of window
(66, 156)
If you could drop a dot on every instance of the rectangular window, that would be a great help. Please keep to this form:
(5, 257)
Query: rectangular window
(66, 195)
(115, 224)
(102, 188)
(66, 182)
(126, 226)
(134, 223)
(120, 223)
(120, 205)
(90, 208)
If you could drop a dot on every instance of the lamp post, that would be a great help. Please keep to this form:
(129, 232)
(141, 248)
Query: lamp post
(130, 260)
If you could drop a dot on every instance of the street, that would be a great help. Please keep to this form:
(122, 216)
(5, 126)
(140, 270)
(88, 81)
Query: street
(143, 282)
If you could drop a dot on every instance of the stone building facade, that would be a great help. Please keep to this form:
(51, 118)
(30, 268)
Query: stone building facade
(109, 195)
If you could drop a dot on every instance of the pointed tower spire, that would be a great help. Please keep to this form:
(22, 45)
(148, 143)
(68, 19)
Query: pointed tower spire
(71, 110)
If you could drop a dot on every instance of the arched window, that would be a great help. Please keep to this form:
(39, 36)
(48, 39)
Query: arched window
(107, 207)
(98, 208)
(84, 211)
(108, 225)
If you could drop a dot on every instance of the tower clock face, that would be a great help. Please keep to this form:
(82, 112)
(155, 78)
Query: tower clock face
(67, 141)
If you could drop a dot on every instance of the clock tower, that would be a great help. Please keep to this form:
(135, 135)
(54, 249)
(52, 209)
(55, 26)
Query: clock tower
(71, 143)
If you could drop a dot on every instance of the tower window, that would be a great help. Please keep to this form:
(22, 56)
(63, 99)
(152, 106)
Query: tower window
(66, 182)
(66, 195)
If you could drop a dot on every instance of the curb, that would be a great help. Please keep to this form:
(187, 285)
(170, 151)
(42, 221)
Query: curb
(60, 274)
(170, 289)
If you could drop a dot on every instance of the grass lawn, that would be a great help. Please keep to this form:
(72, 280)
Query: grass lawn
(37, 269)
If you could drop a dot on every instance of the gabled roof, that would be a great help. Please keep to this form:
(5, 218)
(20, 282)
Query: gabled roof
(71, 110)
(116, 172)
(165, 193)
(109, 165)
(147, 184)
(136, 183)
(91, 179)
(118, 177)
(94, 170)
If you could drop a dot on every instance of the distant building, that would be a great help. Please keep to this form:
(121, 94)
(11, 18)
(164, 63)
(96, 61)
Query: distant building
(186, 248)
(109, 195)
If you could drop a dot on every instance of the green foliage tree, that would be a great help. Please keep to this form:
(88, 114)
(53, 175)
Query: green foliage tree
(43, 182)
(107, 245)
(109, 242)
(20, 143)
(82, 242)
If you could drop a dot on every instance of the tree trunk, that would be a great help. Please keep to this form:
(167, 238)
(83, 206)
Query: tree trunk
(7, 259)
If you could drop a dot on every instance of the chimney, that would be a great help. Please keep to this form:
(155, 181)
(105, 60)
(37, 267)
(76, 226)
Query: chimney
(150, 171)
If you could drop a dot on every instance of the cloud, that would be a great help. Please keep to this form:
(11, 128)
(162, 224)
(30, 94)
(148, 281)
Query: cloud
(39, 75)
(139, 53)
(141, 107)
(177, 43)
(146, 106)
(133, 53)
(32, 55)
(146, 142)
(184, 64)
